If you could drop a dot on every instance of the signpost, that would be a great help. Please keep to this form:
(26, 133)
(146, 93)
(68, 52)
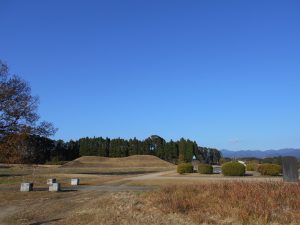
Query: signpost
(290, 169)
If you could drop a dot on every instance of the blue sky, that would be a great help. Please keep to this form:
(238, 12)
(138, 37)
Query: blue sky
(223, 73)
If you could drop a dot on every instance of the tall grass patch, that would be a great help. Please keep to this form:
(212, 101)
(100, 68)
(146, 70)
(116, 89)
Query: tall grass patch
(244, 203)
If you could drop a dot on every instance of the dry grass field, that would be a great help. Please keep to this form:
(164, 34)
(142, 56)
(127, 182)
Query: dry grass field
(128, 193)
(232, 202)
(135, 161)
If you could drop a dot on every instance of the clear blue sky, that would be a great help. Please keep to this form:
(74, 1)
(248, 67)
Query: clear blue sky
(223, 73)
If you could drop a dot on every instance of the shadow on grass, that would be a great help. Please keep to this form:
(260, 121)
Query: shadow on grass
(248, 175)
(42, 189)
(68, 190)
(12, 175)
(117, 173)
(44, 222)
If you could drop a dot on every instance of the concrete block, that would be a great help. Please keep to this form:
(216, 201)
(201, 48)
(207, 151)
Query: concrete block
(25, 187)
(55, 187)
(74, 181)
(51, 181)
(290, 169)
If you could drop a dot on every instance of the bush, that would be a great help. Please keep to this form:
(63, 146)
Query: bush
(269, 169)
(233, 169)
(185, 168)
(205, 169)
(252, 167)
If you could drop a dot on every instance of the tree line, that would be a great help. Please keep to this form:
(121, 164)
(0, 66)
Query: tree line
(172, 151)
(25, 139)
(39, 149)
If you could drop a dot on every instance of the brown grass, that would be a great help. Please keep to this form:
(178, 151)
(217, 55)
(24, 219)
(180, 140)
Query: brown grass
(232, 202)
(81, 208)
(185, 200)
(235, 203)
(127, 162)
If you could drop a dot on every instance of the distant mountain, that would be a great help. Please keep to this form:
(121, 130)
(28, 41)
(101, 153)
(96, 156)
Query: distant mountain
(261, 154)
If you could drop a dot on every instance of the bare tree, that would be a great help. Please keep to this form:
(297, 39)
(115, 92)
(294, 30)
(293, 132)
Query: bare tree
(18, 116)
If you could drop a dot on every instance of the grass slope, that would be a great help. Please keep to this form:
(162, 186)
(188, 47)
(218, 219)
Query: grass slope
(124, 162)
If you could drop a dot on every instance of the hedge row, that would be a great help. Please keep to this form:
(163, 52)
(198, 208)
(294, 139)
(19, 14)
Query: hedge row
(205, 169)
(269, 169)
(185, 168)
(265, 169)
(252, 166)
(233, 169)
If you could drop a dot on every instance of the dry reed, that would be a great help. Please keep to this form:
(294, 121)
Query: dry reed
(232, 202)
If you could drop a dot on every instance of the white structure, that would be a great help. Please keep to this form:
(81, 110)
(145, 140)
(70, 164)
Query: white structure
(55, 187)
(74, 181)
(25, 187)
(242, 162)
(195, 163)
(51, 181)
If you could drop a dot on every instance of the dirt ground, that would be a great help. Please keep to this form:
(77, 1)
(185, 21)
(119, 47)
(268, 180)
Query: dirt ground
(42, 207)
(105, 196)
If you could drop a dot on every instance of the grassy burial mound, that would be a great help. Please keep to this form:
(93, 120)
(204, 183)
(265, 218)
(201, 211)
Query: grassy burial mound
(135, 161)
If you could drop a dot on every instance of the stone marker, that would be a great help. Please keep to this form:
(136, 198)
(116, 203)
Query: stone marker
(55, 187)
(195, 164)
(290, 169)
(74, 181)
(51, 181)
(25, 187)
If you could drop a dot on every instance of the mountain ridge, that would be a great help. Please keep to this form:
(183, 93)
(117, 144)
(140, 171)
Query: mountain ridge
(260, 153)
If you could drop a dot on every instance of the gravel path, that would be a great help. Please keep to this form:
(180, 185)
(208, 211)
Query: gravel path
(108, 188)
(172, 175)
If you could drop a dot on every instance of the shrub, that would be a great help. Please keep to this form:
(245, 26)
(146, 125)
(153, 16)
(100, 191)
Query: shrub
(233, 169)
(252, 167)
(205, 169)
(185, 168)
(269, 169)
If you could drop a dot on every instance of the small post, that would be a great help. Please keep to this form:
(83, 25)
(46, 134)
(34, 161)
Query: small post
(74, 181)
(55, 187)
(195, 163)
(51, 181)
(26, 187)
(290, 169)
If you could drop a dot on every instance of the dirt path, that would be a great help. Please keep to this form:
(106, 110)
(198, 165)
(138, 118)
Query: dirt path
(6, 211)
(109, 188)
(151, 176)
(122, 184)
(172, 175)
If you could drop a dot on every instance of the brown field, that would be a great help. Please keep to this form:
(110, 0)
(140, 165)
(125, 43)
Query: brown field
(232, 202)
(134, 161)
(130, 193)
